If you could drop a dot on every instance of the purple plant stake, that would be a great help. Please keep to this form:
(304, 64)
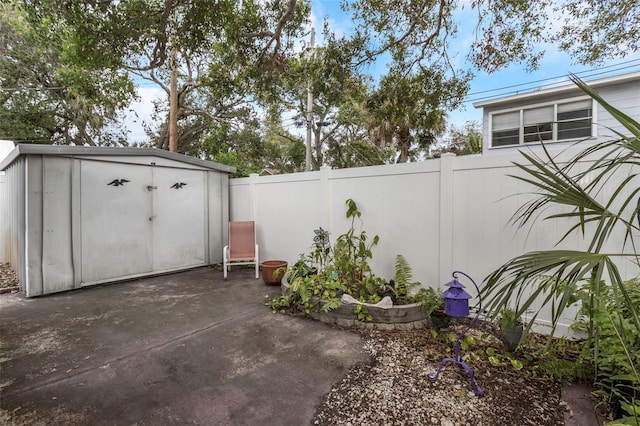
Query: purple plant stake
(457, 305)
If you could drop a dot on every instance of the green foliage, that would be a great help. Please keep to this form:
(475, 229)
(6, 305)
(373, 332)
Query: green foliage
(562, 359)
(279, 304)
(48, 95)
(509, 318)
(554, 277)
(407, 113)
(362, 313)
(403, 280)
(352, 251)
(616, 350)
(429, 298)
(463, 140)
(235, 56)
(327, 272)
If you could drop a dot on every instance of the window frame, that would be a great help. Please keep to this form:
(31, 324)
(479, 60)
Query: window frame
(554, 130)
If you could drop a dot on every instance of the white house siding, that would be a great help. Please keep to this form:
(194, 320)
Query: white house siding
(624, 95)
(442, 215)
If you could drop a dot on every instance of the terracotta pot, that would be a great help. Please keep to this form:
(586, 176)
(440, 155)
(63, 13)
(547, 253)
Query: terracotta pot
(273, 271)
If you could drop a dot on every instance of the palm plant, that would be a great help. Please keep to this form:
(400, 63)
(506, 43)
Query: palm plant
(555, 276)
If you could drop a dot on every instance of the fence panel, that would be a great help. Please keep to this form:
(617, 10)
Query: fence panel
(445, 214)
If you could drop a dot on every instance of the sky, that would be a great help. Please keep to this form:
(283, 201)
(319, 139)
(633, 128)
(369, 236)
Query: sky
(553, 70)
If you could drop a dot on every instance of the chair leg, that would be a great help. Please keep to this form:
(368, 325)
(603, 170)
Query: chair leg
(225, 265)
(257, 252)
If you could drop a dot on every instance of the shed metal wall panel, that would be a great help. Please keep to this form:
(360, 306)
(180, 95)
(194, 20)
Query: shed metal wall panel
(76, 216)
(33, 225)
(218, 201)
(12, 228)
(57, 266)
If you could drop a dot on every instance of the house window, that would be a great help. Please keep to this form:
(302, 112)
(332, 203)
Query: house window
(574, 120)
(538, 124)
(506, 129)
(546, 123)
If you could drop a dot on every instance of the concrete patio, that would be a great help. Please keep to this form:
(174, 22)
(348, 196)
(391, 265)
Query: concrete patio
(186, 348)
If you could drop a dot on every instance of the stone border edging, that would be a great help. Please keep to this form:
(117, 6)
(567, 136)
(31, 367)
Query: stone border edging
(399, 317)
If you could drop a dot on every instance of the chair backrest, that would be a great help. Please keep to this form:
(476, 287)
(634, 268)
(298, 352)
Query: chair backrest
(242, 240)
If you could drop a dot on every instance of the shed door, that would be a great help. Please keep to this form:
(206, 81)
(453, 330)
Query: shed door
(152, 221)
(115, 220)
(179, 221)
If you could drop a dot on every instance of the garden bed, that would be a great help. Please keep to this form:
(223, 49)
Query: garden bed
(398, 317)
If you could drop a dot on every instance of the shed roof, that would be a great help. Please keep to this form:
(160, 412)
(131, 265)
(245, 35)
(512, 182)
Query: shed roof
(103, 151)
(557, 90)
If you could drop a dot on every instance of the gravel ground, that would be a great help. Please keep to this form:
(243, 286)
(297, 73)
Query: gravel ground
(8, 278)
(395, 388)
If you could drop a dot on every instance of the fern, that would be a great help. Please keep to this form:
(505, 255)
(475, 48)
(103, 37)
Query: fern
(331, 304)
(403, 279)
(404, 275)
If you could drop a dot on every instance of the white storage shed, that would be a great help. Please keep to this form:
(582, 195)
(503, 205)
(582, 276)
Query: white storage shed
(76, 216)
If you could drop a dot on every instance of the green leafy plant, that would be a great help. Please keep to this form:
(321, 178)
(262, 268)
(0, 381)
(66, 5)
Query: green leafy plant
(552, 277)
(362, 313)
(617, 349)
(352, 251)
(404, 287)
(327, 272)
(509, 318)
(403, 280)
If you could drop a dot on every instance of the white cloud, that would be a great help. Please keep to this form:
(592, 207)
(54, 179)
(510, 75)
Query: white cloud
(140, 112)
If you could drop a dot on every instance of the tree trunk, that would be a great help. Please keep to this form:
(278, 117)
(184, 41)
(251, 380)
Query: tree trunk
(404, 141)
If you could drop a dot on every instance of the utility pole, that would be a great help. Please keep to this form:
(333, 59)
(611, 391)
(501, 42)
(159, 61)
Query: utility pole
(309, 109)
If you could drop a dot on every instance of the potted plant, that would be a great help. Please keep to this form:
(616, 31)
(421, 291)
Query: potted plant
(273, 271)
(511, 328)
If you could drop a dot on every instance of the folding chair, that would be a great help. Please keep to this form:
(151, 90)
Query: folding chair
(242, 248)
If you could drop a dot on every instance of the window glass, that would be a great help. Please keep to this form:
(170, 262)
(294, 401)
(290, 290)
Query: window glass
(574, 129)
(572, 106)
(508, 120)
(574, 119)
(538, 124)
(569, 120)
(505, 129)
(538, 115)
(538, 132)
(505, 137)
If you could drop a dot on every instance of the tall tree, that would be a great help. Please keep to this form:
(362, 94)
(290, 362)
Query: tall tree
(335, 87)
(225, 47)
(419, 32)
(99, 42)
(409, 112)
(48, 97)
(462, 140)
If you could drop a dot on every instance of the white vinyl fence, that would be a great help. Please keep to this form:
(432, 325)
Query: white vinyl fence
(443, 215)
